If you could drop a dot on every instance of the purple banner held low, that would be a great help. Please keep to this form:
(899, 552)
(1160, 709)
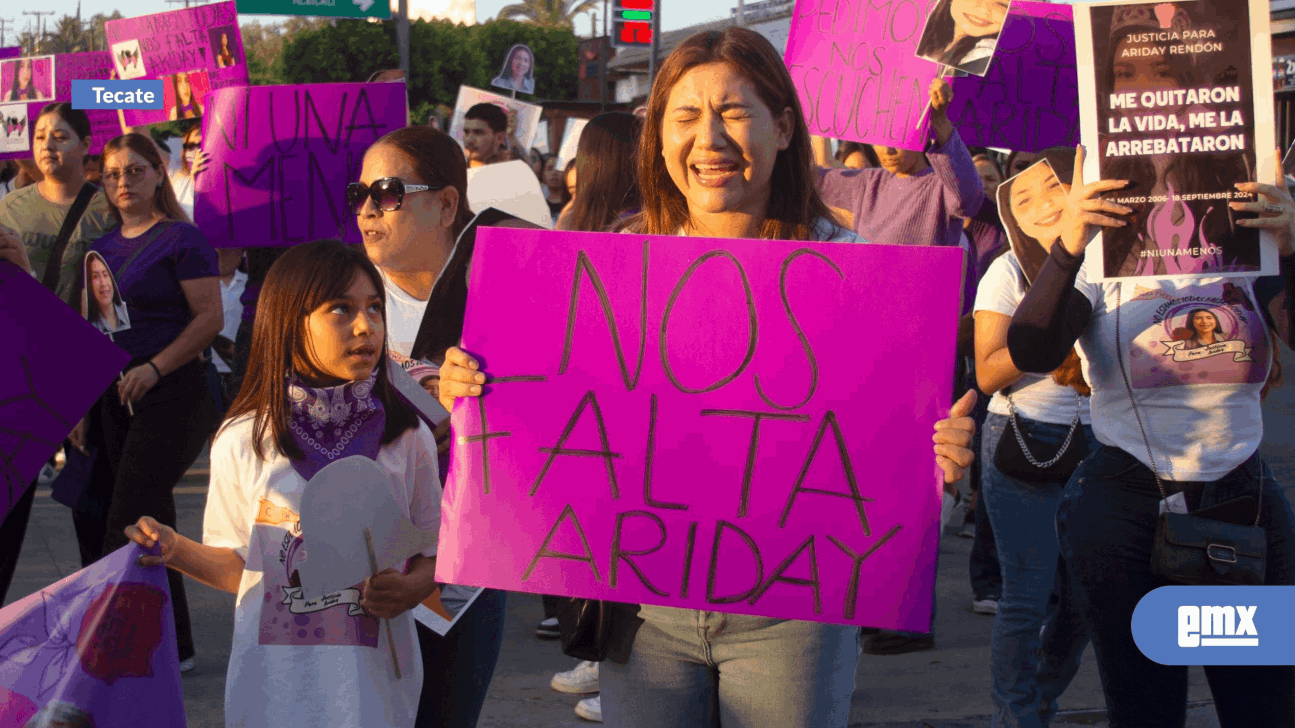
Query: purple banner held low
(53, 367)
(104, 125)
(204, 39)
(853, 65)
(96, 649)
(730, 425)
(1029, 99)
(281, 157)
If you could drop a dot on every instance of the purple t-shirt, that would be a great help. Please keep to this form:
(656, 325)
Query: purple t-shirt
(924, 209)
(150, 285)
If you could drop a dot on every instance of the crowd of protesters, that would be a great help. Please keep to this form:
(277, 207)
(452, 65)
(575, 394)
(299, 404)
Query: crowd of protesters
(226, 346)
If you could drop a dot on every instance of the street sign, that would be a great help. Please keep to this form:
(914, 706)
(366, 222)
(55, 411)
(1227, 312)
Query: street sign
(322, 8)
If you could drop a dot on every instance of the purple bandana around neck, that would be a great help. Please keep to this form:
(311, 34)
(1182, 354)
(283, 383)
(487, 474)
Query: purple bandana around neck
(335, 422)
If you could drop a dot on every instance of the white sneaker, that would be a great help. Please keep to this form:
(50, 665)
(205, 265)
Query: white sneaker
(591, 709)
(581, 680)
(186, 666)
(47, 475)
(985, 605)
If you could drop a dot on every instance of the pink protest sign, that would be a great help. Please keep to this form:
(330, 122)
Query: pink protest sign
(281, 157)
(853, 65)
(731, 425)
(1028, 100)
(192, 50)
(19, 118)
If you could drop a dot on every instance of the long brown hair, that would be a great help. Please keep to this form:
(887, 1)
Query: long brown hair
(795, 205)
(437, 161)
(606, 186)
(304, 278)
(164, 199)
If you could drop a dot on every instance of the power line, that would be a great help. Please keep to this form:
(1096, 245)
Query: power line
(5, 23)
(40, 20)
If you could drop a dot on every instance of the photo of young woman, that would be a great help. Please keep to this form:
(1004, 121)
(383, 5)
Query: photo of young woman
(222, 47)
(962, 34)
(101, 302)
(1203, 329)
(183, 94)
(1032, 206)
(518, 72)
(28, 79)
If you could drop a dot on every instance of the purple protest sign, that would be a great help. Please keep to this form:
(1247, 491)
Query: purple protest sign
(44, 391)
(95, 649)
(731, 425)
(191, 50)
(1029, 98)
(853, 65)
(10, 52)
(104, 125)
(281, 157)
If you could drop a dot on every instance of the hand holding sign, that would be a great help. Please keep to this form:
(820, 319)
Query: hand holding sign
(1084, 211)
(953, 439)
(941, 96)
(1278, 211)
(460, 377)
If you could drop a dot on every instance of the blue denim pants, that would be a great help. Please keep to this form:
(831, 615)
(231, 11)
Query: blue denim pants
(1027, 680)
(1106, 523)
(457, 668)
(693, 669)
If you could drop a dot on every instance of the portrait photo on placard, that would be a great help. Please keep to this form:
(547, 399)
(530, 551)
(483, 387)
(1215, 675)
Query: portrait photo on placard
(101, 301)
(518, 71)
(1032, 206)
(222, 46)
(13, 118)
(27, 79)
(184, 93)
(963, 34)
(128, 60)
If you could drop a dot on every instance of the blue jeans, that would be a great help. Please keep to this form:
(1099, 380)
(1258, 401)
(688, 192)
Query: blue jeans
(1027, 681)
(457, 668)
(1106, 523)
(692, 669)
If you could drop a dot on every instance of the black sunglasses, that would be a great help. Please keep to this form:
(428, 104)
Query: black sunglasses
(387, 194)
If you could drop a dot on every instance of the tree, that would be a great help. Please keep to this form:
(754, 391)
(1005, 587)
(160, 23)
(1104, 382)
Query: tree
(548, 13)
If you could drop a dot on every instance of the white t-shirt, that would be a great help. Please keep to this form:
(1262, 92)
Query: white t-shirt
(404, 316)
(1037, 397)
(183, 185)
(230, 293)
(1199, 400)
(296, 664)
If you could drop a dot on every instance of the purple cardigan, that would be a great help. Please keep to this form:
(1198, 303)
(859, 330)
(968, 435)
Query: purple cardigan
(925, 209)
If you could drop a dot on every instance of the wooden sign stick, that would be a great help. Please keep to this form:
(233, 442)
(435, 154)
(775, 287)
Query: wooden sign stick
(373, 564)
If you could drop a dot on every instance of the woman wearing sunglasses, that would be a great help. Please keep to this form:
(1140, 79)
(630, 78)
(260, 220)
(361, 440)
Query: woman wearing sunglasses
(410, 205)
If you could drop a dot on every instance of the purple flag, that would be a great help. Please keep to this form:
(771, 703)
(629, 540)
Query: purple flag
(53, 366)
(95, 649)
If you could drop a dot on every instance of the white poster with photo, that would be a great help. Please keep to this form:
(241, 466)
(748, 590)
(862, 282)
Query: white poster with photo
(511, 187)
(518, 72)
(523, 118)
(446, 606)
(101, 301)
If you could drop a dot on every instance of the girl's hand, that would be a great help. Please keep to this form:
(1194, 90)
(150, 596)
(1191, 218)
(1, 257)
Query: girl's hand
(460, 377)
(13, 250)
(953, 439)
(147, 532)
(1276, 213)
(200, 162)
(389, 594)
(77, 436)
(941, 96)
(1084, 208)
(136, 383)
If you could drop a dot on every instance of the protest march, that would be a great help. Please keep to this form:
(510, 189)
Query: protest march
(695, 350)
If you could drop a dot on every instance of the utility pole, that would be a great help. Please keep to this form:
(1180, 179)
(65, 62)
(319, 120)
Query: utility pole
(40, 23)
(4, 24)
(402, 35)
(740, 19)
(656, 44)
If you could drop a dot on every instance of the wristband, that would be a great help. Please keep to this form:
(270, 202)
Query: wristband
(156, 371)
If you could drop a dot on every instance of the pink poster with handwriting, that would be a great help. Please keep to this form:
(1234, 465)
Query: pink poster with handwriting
(855, 71)
(730, 425)
(18, 118)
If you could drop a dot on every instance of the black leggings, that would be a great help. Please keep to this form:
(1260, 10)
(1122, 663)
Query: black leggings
(148, 453)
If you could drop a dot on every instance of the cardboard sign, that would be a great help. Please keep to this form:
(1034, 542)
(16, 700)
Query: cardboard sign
(281, 157)
(1182, 109)
(1032, 208)
(704, 423)
(43, 391)
(855, 73)
(19, 119)
(511, 187)
(517, 74)
(198, 49)
(95, 649)
(1029, 99)
(523, 118)
(333, 519)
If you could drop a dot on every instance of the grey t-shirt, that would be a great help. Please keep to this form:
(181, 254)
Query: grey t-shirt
(38, 220)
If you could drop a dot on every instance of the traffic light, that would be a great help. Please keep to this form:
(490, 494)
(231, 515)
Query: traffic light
(633, 23)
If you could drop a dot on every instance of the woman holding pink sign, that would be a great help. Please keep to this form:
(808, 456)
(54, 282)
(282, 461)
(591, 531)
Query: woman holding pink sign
(726, 154)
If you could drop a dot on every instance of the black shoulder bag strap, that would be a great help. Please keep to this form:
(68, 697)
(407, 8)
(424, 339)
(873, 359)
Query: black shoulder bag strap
(55, 264)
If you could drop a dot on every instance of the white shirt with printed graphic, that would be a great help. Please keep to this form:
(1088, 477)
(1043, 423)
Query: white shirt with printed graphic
(293, 663)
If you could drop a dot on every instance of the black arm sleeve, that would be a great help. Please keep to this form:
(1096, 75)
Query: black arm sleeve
(1051, 317)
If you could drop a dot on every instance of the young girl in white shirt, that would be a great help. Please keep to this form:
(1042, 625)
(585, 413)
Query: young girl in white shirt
(316, 390)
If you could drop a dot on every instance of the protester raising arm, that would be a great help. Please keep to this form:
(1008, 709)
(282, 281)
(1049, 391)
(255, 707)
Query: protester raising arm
(950, 159)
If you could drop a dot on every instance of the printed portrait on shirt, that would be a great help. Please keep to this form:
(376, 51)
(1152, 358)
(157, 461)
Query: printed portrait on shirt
(963, 34)
(1217, 338)
(1032, 206)
(101, 301)
(287, 618)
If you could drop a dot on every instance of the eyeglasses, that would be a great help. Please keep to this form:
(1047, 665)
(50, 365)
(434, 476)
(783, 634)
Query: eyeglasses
(387, 194)
(132, 174)
(192, 145)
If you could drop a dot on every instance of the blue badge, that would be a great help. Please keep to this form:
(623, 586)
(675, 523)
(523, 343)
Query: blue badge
(140, 94)
(1216, 625)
